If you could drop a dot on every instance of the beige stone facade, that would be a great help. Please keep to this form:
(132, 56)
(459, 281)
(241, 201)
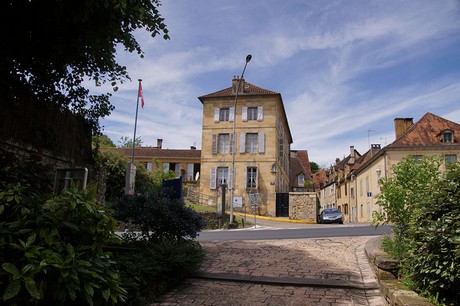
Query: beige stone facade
(430, 136)
(262, 146)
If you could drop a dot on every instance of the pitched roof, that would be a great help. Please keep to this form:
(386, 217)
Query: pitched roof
(427, 133)
(152, 152)
(296, 168)
(248, 90)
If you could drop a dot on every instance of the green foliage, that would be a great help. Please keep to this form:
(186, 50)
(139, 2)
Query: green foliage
(424, 205)
(314, 167)
(28, 171)
(159, 216)
(52, 52)
(412, 181)
(149, 268)
(102, 141)
(53, 249)
(126, 142)
(115, 165)
(435, 239)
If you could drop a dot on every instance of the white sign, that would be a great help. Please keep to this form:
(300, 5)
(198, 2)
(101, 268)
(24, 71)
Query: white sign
(238, 202)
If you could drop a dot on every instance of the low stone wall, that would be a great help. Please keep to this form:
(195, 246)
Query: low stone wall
(302, 206)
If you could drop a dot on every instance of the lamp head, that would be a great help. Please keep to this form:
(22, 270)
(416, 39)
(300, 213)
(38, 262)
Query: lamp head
(248, 58)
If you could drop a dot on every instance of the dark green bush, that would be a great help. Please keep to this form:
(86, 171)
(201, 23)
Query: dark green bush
(53, 249)
(159, 216)
(435, 240)
(149, 268)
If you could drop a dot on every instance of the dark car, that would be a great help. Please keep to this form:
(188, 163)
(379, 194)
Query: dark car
(331, 215)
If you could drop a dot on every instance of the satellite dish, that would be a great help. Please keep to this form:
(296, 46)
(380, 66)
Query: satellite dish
(197, 176)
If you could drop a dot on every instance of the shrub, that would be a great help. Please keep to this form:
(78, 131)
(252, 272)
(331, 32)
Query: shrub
(435, 240)
(149, 268)
(159, 216)
(412, 181)
(53, 249)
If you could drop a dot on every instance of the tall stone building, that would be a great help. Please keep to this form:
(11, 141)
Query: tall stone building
(262, 146)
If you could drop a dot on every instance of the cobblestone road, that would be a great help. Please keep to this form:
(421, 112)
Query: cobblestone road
(326, 271)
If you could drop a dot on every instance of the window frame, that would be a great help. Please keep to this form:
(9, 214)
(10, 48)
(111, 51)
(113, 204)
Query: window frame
(252, 177)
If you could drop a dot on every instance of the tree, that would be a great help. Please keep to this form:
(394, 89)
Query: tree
(401, 194)
(314, 167)
(53, 47)
(126, 142)
(103, 141)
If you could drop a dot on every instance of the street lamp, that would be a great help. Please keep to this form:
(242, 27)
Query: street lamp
(232, 193)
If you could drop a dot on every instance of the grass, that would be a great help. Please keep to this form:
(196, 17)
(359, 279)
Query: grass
(201, 208)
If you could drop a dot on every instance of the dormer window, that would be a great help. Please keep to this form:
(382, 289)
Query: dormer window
(447, 136)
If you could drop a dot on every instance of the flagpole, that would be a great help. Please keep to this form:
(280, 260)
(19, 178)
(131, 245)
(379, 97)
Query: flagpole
(135, 122)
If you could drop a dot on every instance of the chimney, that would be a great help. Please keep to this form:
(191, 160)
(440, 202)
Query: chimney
(235, 81)
(352, 155)
(192, 148)
(402, 125)
(159, 143)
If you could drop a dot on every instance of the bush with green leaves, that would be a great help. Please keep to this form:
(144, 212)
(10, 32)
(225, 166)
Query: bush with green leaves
(410, 184)
(115, 165)
(424, 205)
(52, 249)
(434, 236)
(149, 268)
(159, 216)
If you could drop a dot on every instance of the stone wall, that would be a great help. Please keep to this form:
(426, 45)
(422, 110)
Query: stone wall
(303, 206)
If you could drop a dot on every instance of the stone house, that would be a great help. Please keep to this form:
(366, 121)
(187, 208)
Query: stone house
(257, 118)
(431, 136)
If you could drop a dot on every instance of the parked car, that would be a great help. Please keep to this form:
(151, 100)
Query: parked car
(330, 215)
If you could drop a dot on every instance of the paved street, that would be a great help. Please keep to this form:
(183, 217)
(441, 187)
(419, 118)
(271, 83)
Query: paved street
(314, 271)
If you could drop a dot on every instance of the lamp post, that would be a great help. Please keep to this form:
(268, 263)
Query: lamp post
(232, 193)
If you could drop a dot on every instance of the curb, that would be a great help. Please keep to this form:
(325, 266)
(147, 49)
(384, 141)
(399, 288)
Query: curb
(285, 281)
(385, 268)
(277, 219)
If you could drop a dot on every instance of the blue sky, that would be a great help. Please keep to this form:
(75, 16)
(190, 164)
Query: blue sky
(345, 69)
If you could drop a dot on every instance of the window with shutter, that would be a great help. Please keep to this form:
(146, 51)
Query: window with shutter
(251, 178)
(260, 113)
(224, 114)
(252, 113)
(222, 175)
(242, 143)
(214, 144)
(230, 178)
(244, 113)
(261, 142)
(212, 179)
(216, 114)
(251, 142)
(231, 116)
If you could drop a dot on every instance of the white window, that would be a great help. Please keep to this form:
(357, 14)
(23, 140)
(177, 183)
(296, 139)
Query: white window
(190, 172)
(251, 178)
(300, 180)
(224, 143)
(224, 114)
(222, 175)
(252, 141)
(252, 113)
(447, 137)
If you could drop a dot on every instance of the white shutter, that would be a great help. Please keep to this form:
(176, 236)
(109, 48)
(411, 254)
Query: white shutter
(230, 178)
(260, 113)
(244, 113)
(212, 179)
(231, 143)
(261, 142)
(216, 114)
(242, 143)
(231, 115)
(214, 144)
(257, 178)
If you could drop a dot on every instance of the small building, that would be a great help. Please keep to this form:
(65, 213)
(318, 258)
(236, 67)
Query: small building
(262, 146)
